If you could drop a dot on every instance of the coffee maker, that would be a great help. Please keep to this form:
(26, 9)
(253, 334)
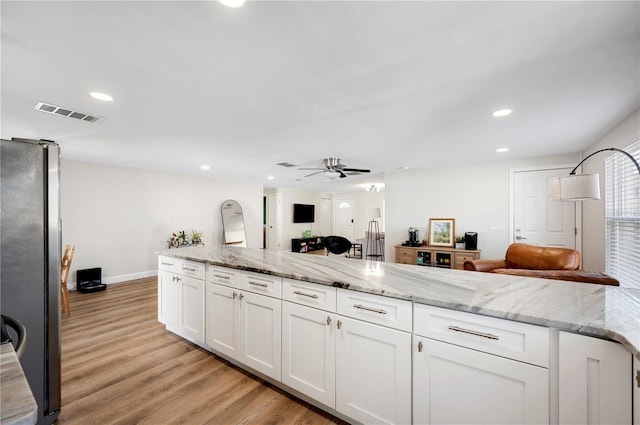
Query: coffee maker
(414, 238)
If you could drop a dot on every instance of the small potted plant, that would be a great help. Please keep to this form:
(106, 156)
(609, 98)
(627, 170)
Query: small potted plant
(177, 239)
(196, 237)
(459, 242)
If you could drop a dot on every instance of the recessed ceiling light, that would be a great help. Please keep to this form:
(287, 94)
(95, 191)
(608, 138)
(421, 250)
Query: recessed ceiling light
(502, 113)
(205, 167)
(232, 3)
(101, 96)
(270, 177)
(501, 150)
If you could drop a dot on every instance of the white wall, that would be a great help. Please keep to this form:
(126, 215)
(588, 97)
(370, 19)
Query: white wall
(363, 202)
(593, 239)
(477, 196)
(290, 229)
(119, 218)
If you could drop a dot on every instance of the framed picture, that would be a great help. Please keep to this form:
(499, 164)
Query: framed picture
(442, 231)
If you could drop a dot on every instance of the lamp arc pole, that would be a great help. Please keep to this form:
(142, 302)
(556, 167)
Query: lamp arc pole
(608, 149)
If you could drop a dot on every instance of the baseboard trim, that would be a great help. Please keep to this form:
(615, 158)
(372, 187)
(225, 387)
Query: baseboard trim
(131, 276)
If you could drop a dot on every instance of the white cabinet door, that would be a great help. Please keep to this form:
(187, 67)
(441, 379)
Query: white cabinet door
(222, 325)
(260, 332)
(169, 299)
(595, 379)
(192, 311)
(308, 352)
(245, 327)
(456, 385)
(373, 372)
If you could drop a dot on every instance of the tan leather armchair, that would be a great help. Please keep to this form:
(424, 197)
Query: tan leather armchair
(541, 261)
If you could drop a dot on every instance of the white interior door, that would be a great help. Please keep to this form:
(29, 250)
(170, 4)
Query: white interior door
(274, 221)
(343, 213)
(536, 219)
(325, 217)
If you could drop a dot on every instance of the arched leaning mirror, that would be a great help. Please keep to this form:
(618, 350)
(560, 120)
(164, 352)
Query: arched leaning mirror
(233, 224)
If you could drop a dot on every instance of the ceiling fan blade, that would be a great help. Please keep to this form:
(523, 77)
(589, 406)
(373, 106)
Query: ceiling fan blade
(342, 175)
(313, 174)
(357, 170)
(314, 168)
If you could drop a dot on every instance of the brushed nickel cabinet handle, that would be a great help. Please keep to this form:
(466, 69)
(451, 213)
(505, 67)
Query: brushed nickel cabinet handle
(264, 285)
(339, 324)
(191, 269)
(420, 347)
(176, 279)
(305, 295)
(221, 276)
(235, 295)
(375, 310)
(241, 296)
(167, 264)
(476, 333)
(328, 320)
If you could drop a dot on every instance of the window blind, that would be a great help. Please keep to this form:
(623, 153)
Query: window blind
(622, 217)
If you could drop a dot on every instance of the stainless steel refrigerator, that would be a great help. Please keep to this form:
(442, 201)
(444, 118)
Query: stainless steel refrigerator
(30, 261)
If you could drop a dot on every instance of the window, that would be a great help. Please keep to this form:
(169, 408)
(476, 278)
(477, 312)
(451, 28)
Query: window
(622, 217)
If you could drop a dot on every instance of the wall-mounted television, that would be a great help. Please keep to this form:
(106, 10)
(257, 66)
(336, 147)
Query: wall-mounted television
(304, 213)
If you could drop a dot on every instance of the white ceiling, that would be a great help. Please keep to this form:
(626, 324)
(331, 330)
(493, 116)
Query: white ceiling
(380, 84)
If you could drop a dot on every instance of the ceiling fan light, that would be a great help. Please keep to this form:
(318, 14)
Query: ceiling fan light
(332, 174)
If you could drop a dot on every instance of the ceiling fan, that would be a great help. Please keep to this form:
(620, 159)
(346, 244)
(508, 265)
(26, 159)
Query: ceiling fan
(334, 168)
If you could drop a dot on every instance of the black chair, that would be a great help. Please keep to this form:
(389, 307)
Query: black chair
(20, 330)
(337, 245)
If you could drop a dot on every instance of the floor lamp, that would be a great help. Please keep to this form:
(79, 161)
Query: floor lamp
(580, 187)
(375, 250)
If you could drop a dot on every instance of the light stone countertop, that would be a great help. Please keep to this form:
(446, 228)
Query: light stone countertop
(17, 405)
(596, 310)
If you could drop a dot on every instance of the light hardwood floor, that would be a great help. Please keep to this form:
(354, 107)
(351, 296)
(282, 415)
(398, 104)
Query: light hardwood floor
(120, 366)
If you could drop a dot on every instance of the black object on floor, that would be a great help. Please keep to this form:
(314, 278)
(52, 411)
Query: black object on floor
(90, 280)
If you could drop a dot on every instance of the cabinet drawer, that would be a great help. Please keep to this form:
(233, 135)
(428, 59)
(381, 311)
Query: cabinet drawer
(461, 257)
(262, 284)
(406, 261)
(385, 311)
(192, 269)
(405, 255)
(311, 294)
(506, 338)
(224, 276)
(169, 264)
(183, 267)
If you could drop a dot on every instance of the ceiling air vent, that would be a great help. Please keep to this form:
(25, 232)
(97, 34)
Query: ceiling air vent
(66, 112)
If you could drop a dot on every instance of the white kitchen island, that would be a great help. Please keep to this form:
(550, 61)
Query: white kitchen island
(378, 342)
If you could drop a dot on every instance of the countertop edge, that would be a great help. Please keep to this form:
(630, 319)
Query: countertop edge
(594, 331)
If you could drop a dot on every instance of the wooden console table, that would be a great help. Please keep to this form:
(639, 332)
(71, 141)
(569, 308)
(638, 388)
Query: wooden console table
(435, 256)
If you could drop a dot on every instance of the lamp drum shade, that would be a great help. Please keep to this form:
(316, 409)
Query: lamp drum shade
(373, 213)
(574, 187)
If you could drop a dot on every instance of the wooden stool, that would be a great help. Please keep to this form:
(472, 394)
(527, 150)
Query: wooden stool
(65, 267)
